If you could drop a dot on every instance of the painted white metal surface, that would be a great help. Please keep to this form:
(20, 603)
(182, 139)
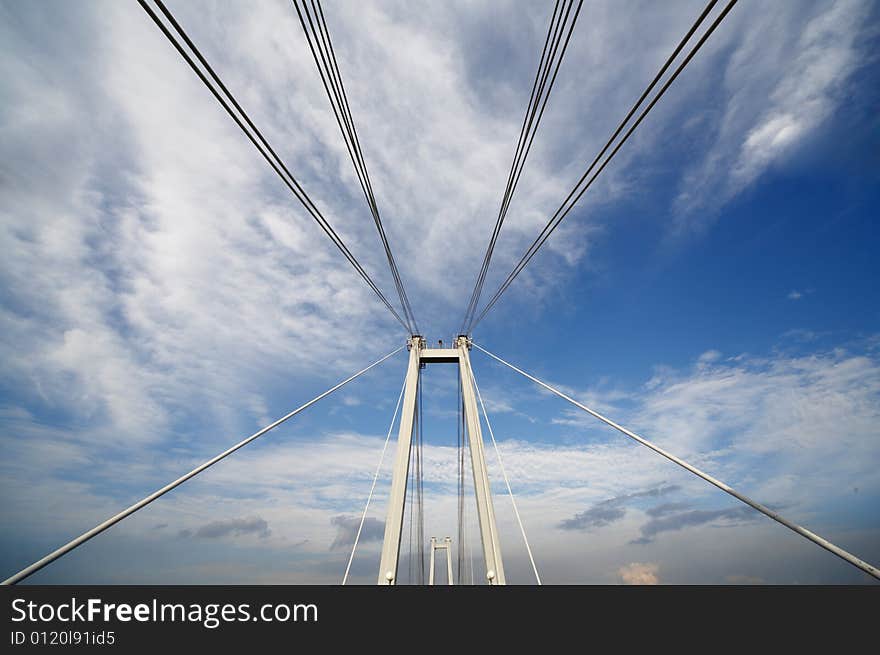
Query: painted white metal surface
(440, 355)
(448, 541)
(446, 545)
(388, 565)
(483, 491)
(394, 519)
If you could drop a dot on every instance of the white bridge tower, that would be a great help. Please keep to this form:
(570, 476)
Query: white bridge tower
(419, 354)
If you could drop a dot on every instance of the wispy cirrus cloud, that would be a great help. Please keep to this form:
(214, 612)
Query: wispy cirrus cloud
(748, 138)
(169, 243)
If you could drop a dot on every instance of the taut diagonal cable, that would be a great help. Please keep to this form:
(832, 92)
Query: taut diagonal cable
(373, 486)
(816, 539)
(113, 520)
(318, 38)
(233, 108)
(506, 479)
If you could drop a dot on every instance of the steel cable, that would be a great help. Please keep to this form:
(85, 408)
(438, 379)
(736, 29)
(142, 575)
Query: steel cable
(113, 520)
(317, 36)
(527, 135)
(373, 485)
(581, 187)
(241, 118)
(816, 539)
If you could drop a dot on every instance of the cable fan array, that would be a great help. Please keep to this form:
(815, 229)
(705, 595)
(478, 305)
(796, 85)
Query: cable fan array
(318, 37)
(181, 41)
(595, 168)
(314, 25)
(551, 59)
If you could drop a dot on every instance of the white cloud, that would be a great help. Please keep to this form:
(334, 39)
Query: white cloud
(166, 254)
(638, 573)
(789, 416)
(162, 291)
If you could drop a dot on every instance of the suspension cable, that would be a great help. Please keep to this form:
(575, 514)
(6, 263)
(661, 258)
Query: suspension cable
(537, 98)
(816, 539)
(472, 303)
(583, 184)
(373, 485)
(374, 207)
(113, 520)
(506, 480)
(318, 38)
(235, 111)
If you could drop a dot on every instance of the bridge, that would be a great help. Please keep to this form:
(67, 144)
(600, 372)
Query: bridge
(406, 476)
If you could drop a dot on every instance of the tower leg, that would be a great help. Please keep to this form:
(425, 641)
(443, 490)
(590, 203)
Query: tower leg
(485, 507)
(448, 542)
(394, 520)
(433, 550)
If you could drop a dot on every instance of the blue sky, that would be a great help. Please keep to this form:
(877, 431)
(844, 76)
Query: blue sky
(163, 296)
